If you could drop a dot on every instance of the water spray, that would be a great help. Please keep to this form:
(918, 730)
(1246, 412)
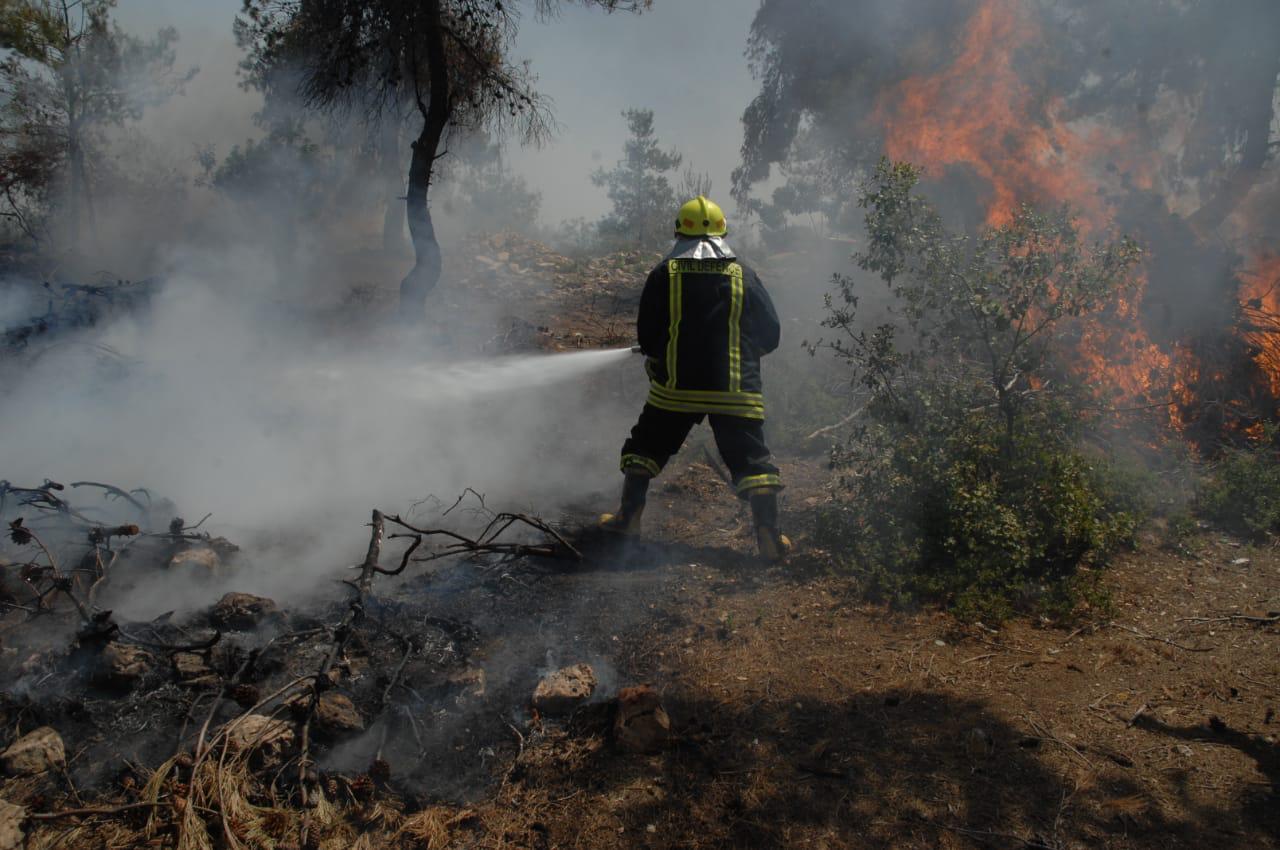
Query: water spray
(473, 379)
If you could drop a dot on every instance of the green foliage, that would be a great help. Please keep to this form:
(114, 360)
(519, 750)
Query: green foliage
(941, 512)
(69, 73)
(644, 202)
(282, 169)
(1180, 528)
(1242, 491)
(966, 482)
(814, 200)
(484, 193)
(805, 403)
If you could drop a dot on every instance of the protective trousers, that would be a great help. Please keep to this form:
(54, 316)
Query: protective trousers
(660, 433)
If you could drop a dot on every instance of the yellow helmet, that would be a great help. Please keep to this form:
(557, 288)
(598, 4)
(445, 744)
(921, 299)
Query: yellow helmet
(701, 217)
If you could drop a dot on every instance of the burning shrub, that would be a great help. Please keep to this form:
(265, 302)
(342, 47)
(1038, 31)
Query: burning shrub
(966, 480)
(1242, 493)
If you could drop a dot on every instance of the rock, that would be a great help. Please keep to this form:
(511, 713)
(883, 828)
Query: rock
(222, 547)
(469, 683)
(337, 715)
(11, 818)
(265, 736)
(641, 724)
(190, 665)
(121, 665)
(242, 611)
(565, 689)
(200, 563)
(35, 752)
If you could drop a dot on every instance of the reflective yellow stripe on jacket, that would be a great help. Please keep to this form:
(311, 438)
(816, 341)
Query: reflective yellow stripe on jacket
(675, 296)
(749, 405)
(731, 402)
(735, 328)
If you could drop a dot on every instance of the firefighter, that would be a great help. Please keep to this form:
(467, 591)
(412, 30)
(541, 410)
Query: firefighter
(705, 320)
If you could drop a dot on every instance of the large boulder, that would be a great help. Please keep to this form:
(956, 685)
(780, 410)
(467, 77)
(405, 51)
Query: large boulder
(242, 611)
(35, 752)
(565, 689)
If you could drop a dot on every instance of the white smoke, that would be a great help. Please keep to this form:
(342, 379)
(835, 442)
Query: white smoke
(225, 402)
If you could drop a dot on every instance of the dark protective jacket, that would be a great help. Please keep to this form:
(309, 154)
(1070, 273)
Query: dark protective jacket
(704, 325)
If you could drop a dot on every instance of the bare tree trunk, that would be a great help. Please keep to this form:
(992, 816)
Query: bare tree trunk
(74, 174)
(392, 187)
(86, 195)
(425, 274)
(75, 162)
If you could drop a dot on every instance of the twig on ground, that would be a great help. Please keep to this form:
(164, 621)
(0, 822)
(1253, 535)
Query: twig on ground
(1261, 684)
(1047, 735)
(386, 693)
(197, 646)
(87, 812)
(506, 777)
(487, 542)
(836, 427)
(1146, 636)
(1232, 618)
(463, 495)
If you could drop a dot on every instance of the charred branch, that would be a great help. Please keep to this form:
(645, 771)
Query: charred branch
(487, 542)
(117, 493)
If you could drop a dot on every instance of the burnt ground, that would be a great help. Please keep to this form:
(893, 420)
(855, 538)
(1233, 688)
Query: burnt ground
(801, 715)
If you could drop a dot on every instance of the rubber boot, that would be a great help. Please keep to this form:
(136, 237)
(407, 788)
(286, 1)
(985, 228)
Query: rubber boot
(627, 519)
(772, 544)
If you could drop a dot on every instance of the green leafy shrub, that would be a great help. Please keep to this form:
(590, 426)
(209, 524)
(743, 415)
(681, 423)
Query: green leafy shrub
(951, 517)
(966, 483)
(1242, 491)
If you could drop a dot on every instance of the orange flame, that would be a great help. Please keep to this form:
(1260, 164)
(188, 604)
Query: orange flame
(979, 113)
(1260, 315)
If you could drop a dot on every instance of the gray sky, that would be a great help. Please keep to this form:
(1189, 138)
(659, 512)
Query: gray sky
(683, 59)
